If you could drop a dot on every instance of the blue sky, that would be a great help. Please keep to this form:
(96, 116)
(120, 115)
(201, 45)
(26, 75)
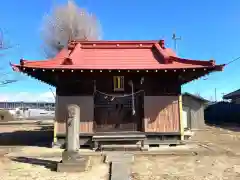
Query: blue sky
(209, 30)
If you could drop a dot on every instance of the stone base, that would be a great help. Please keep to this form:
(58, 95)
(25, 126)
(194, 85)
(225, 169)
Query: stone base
(72, 167)
(145, 148)
(56, 145)
(72, 162)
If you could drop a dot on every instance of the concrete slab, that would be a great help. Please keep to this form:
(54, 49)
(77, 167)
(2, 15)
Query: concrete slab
(119, 157)
(120, 165)
(120, 171)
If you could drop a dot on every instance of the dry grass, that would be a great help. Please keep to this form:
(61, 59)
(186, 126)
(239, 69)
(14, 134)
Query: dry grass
(218, 167)
(15, 170)
(189, 167)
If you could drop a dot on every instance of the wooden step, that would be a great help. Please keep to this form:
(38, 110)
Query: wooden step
(118, 141)
(119, 137)
(161, 142)
(129, 147)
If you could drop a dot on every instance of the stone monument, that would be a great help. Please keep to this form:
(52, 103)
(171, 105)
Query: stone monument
(72, 161)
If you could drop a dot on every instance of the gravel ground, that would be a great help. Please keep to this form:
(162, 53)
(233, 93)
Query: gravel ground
(186, 168)
(39, 169)
(146, 167)
(19, 161)
(218, 167)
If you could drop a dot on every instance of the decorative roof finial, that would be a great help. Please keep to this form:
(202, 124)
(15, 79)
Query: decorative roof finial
(162, 44)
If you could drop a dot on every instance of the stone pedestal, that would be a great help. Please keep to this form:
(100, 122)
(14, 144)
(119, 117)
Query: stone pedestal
(72, 162)
(71, 159)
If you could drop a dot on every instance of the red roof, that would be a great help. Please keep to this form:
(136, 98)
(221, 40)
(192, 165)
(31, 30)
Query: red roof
(117, 55)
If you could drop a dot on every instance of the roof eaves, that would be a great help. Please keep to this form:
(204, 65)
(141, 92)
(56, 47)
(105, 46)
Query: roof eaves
(196, 97)
(116, 42)
(232, 94)
(194, 62)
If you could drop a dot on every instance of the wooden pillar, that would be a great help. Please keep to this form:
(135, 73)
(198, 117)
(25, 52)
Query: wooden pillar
(180, 117)
(55, 132)
(55, 140)
(72, 161)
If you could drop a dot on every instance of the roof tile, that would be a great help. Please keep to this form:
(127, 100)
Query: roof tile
(117, 55)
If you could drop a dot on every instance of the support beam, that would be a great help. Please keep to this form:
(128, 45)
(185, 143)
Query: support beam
(180, 117)
(54, 133)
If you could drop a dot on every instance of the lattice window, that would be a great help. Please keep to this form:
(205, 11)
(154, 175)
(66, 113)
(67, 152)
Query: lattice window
(118, 83)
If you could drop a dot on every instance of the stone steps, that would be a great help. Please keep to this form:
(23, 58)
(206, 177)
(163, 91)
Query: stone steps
(120, 165)
(120, 171)
(118, 142)
(118, 157)
(120, 147)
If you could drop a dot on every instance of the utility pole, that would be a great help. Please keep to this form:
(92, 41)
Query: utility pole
(215, 92)
(175, 39)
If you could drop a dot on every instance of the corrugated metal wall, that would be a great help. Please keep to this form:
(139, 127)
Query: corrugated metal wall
(223, 113)
(161, 114)
(196, 113)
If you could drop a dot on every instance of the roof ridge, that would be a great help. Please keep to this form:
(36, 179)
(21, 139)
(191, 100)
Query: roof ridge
(114, 41)
(134, 55)
(164, 55)
(231, 94)
(195, 62)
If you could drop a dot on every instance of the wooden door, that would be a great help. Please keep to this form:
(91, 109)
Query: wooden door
(116, 113)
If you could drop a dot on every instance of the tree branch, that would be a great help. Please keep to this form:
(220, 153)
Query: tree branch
(3, 45)
(5, 82)
(68, 22)
(3, 74)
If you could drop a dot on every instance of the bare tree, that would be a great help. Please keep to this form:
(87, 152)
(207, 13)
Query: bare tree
(65, 23)
(5, 77)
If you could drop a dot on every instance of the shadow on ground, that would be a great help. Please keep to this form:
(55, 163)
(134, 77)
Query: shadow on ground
(49, 164)
(41, 137)
(227, 126)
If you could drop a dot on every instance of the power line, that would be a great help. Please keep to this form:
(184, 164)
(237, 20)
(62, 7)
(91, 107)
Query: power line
(232, 61)
(229, 62)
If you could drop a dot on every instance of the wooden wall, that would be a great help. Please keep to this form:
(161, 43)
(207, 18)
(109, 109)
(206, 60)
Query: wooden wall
(86, 112)
(161, 109)
(161, 114)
